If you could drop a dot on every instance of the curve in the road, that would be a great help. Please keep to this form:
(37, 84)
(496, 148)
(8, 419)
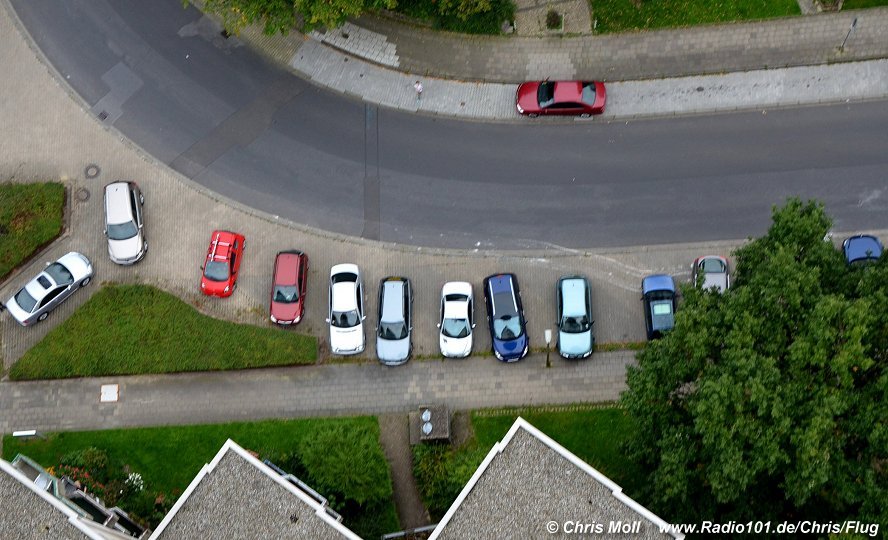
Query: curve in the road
(222, 116)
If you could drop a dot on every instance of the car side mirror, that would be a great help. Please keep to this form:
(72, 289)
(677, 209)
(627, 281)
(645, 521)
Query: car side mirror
(140, 225)
(48, 263)
(364, 318)
(105, 232)
(438, 325)
(327, 320)
(201, 268)
(473, 325)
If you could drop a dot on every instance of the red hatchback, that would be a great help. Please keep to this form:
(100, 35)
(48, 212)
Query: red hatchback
(561, 97)
(222, 264)
(288, 287)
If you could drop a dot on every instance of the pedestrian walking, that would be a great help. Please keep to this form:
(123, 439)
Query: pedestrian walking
(418, 87)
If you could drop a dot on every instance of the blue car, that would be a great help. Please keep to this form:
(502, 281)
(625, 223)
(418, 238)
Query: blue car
(861, 249)
(505, 317)
(658, 294)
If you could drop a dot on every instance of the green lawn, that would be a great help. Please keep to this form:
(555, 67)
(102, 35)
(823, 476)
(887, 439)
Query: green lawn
(862, 4)
(623, 15)
(593, 434)
(136, 329)
(168, 458)
(30, 218)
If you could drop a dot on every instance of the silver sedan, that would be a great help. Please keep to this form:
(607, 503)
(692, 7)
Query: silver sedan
(50, 288)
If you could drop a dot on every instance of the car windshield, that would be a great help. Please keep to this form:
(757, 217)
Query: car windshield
(286, 294)
(575, 325)
(588, 95)
(715, 266)
(507, 327)
(216, 271)
(455, 328)
(122, 231)
(60, 274)
(393, 330)
(25, 300)
(546, 93)
(345, 319)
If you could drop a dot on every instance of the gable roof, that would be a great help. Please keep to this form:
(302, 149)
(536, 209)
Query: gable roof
(30, 513)
(238, 496)
(527, 481)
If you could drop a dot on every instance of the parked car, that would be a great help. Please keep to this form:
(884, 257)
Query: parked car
(457, 319)
(50, 288)
(574, 311)
(505, 317)
(222, 264)
(583, 98)
(123, 222)
(345, 310)
(288, 287)
(861, 249)
(393, 334)
(658, 294)
(714, 270)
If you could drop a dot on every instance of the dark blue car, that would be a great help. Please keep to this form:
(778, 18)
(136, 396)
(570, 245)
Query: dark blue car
(658, 294)
(505, 317)
(861, 249)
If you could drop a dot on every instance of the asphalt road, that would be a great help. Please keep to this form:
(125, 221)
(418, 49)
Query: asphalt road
(223, 116)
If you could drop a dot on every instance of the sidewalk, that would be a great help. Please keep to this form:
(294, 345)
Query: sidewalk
(775, 63)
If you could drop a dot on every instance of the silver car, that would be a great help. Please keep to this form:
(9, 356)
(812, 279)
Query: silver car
(395, 321)
(123, 222)
(50, 288)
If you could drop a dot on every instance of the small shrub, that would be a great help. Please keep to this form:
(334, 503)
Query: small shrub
(553, 20)
(90, 459)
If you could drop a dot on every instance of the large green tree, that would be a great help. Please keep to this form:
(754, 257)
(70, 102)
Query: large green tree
(770, 401)
(280, 15)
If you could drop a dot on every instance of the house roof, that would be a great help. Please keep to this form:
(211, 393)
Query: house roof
(238, 496)
(30, 513)
(527, 481)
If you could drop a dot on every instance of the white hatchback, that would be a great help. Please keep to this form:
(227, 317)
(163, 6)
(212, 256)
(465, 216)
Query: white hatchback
(345, 310)
(457, 319)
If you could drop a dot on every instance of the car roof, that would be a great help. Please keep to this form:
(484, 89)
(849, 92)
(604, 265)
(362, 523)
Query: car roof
(286, 267)
(858, 247)
(35, 287)
(223, 250)
(573, 293)
(117, 203)
(568, 91)
(658, 282)
(393, 291)
(345, 296)
(501, 283)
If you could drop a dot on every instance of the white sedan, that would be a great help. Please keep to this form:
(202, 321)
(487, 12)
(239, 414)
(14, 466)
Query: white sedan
(50, 288)
(457, 319)
(345, 310)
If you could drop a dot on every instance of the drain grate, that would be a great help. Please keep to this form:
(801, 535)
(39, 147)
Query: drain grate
(103, 116)
(92, 170)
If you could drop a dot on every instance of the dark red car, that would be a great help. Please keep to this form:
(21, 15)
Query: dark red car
(222, 264)
(561, 97)
(288, 287)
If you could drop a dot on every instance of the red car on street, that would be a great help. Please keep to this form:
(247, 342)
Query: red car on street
(561, 97)
(288, 287)
(223, 262)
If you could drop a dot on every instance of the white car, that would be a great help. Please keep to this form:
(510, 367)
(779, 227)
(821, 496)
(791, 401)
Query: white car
(50, 288)
(123, 222)
(457, 319)
(345, 310)
(714, 270)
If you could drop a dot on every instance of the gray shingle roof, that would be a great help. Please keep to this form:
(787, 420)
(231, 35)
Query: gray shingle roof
(237, 496)
(527, 481)
(25, 515)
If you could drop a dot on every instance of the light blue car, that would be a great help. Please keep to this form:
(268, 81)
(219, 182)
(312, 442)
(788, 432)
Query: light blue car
(574, 317)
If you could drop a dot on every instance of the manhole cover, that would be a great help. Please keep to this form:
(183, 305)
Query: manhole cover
(92, 170)
(82, 194)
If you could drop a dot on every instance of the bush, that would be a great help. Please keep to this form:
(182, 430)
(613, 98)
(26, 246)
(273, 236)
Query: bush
(91, 459)
(455, 17)
(553, 20)
(441, 473)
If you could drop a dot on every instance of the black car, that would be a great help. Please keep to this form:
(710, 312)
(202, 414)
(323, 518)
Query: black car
(505, 317)
(658, 294)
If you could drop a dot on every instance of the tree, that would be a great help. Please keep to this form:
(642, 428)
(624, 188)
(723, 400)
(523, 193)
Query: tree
(280, 15)
(770, 401)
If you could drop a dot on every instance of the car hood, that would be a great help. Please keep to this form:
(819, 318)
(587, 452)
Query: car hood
(285, 312)
(77, 264)
(347, 339)
(527, 96)
(511, 349)
(575, 344)
(458, 347)
(125, 249)
(392, 350)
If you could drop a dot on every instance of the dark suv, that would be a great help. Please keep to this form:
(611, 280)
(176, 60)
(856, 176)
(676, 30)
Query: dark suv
(505, 317)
